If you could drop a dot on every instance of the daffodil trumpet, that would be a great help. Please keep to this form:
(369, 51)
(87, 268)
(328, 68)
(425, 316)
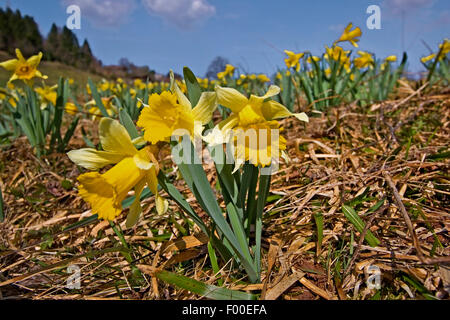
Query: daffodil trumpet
(171, 112)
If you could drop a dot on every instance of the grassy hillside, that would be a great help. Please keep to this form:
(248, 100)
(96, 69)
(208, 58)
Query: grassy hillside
(53, 70)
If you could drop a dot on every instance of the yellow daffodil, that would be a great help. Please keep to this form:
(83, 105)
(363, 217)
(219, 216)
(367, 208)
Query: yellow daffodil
(71, 108)
(133, 169)
(364, 60)
(336, 53)
(48, 95)
(444, 49)
(255, 114)
(95, 110)
(229, 70)
(24, 69)
(170, 111)
(391, 58)
(428, 58)
(263, 78)
(350, 35)
(139, 84)
(293, 59)
(312, 58)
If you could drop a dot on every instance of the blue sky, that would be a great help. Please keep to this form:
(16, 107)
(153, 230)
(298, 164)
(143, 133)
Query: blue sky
(252, 34)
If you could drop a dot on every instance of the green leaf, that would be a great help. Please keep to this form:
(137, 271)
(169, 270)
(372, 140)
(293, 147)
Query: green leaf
(97, 98)
(82, 223)
(126, 121)
(318, 218)
(264, 186)
(202, 289)
(214, 264)
(353, 217)
(193, 88)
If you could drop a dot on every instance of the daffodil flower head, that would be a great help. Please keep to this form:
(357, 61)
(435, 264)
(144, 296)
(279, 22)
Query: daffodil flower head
(133, 169)
(255, 116)
(351, 36)
(428, 58)
(48, 95)
(293, 59)
(171, 112)
(364, 60)
(391, 58)
(23, 69)
(229, 70)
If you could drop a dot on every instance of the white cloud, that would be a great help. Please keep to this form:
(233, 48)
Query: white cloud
(183, 13)
(399, 6)
(336, 27)
(104, 13)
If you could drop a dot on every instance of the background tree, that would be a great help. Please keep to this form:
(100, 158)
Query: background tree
(216, 66)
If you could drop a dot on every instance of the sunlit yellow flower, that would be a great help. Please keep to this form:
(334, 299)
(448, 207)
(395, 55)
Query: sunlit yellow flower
(293, 59)
(263, 78)
(171, 111)
(350, 35)
(312, 58)
(327, 72)
(95, 110)
(24, 69)
(338, 54)
(71, 108)
(250, 115)
(133, 170)
(364, 60)
(428, 58)
(229, 70)
(391, 58)
(71, 81)
(139, 84)
(48, 95)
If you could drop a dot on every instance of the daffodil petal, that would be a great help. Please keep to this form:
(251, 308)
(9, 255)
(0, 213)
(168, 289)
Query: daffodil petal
(272, 91)
(142, 161)
(205, 107)
(115, 138)
(9, 65)
(161, 205)
(182, 99)
(301, 116)
(19, 55)
(135, 208)
(35, 60)
(92, 159)
(274, 110)
(231, 98)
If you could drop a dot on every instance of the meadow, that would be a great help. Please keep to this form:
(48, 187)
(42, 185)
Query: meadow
(327, 180)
